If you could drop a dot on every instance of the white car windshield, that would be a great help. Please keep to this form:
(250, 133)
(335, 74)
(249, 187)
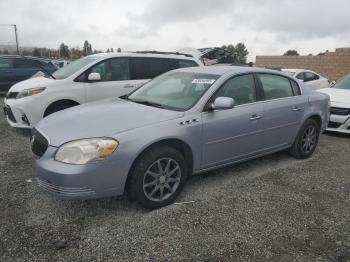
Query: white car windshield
(175, 91)
(73, 67)
(343, 83)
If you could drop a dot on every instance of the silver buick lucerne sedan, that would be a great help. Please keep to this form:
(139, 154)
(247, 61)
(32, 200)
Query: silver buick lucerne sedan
(184, 122)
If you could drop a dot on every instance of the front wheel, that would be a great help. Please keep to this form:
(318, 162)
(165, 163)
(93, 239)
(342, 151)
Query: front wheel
(306, 141)
(157, 177)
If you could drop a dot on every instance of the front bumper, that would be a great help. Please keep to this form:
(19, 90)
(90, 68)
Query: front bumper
(339, 123)
(22, 113)
(94, 180)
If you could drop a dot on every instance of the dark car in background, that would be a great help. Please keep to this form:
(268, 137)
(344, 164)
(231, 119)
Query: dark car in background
(15, 68)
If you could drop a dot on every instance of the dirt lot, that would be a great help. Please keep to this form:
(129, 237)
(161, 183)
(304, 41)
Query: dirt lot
(275, 208)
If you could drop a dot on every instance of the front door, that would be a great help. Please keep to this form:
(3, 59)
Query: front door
(233, 134)
(115, 80)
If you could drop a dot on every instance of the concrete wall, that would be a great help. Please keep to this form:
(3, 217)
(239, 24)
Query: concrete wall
(331, 65)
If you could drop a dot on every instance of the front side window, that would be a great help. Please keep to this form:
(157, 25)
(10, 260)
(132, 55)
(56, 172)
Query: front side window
(74, 67)
(275, 86)
(6, 63)
(177, 90)
(343, 83)
(240, 88)
(116, 69)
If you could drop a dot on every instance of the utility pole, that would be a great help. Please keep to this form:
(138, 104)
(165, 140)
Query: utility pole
(15, 27)
(16, 38)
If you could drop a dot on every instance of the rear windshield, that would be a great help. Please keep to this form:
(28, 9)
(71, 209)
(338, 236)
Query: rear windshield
(74, 67)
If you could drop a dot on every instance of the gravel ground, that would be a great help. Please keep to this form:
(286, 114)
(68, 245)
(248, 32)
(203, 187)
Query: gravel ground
(274, 208)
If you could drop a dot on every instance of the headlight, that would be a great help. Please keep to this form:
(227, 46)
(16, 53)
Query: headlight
(86, 150)
(30, 92)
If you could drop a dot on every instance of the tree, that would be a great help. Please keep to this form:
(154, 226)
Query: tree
(107, 50)
(291, 52)
(241, 53)
(119, 50)
(64, 50)
(36, 52)
(6, 52)
(112, 51)
(87, 49)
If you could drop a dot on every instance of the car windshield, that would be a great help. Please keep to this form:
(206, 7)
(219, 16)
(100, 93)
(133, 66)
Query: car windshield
(175, 91)
(343, 83)
(73, 67)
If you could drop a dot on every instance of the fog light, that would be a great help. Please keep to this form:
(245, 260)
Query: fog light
(25, 119)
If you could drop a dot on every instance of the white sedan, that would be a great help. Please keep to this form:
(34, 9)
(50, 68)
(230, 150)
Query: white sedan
(340, 105)
(310, 78)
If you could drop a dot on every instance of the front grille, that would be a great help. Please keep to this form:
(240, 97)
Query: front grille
(334, 124)
(11, 95)
(9, 114)
(65, 191)
(340, 111)
(39, 143)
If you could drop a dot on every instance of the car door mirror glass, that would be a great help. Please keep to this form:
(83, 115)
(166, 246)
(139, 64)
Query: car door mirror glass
(94, 77)
(222, 103)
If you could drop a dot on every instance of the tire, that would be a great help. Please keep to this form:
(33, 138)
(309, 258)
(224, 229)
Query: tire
(154, 188)
(306, 140)
(58, 106)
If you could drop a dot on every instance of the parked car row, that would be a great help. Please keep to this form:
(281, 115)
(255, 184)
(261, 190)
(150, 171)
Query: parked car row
(146, 137)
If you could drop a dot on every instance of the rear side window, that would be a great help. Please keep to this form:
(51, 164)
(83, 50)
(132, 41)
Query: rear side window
(300, 76)
(25, 63)
(148, 68)
(240, 88)
(295, 87)
(6, 63)
(275, 86)
(186, 63)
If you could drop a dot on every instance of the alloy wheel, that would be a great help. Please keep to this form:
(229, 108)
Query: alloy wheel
(161, 179)
(308, 140)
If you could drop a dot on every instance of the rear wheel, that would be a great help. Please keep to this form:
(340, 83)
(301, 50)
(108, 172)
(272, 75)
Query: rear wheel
(58, 106)
(306, 141)
(157, 177)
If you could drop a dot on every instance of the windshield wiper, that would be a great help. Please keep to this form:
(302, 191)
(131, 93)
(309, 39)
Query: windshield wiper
(145, 102)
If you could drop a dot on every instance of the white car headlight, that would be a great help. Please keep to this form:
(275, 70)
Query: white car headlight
(82, 151)
(30, 92)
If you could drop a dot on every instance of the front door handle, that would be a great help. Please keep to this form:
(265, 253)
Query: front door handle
(255, 117)
(129, 86)
(296, 109)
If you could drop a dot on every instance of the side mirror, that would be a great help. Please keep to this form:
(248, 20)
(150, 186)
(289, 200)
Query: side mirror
(332, 83)
(94, 77)
(222, 103)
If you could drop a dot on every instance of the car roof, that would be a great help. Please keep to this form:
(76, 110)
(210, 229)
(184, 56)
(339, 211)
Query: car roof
(27, 57)
(145, 54)
(296, 70)
(221, 70)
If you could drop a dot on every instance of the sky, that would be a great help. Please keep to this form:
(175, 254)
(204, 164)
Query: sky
(266, 27)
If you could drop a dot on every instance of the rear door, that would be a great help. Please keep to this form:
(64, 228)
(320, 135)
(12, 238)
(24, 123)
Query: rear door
(233, 134)
(283, 109)
(7, 74)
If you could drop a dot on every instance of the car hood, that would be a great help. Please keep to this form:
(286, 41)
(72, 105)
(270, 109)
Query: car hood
(100, 119)
(339, 97)
(31, 83)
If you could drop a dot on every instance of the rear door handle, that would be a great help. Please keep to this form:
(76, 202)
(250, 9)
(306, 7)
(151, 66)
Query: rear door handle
(296, 109)
(129, 86)
(255, 117)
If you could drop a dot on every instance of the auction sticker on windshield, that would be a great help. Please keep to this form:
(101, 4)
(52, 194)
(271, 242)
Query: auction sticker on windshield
(203, 81)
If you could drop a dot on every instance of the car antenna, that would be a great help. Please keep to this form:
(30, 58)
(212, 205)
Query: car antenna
(40, 67)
